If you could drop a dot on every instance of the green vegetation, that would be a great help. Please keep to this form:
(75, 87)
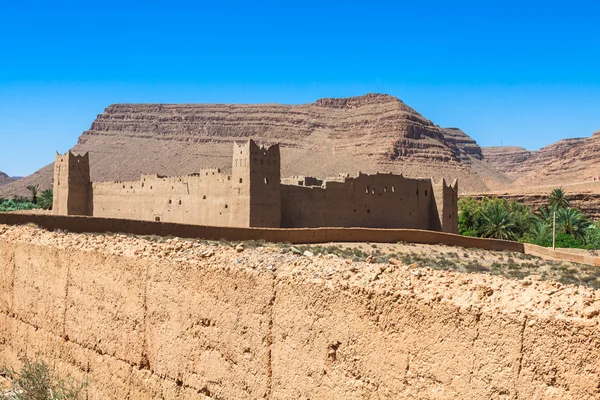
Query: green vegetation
(18, 203)
(36, 381)
(510, 220)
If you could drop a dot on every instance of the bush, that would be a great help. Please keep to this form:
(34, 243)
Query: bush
(36, 381)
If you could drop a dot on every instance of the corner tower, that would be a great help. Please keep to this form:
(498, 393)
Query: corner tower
(256, 185)
(72, 185)
(444, 207)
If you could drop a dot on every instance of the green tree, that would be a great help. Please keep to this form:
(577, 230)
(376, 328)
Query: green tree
(467, 216)
(45, 200)
(540, 233)
(558, 199)
(34, 192)
(571, 221)
(496, 221)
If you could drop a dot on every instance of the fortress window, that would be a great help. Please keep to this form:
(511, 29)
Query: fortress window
(368, 211)
(385, 189)
(450, 216)
(366, 189)
(240, 152)
(204, 197)
(179, 202)
(123, 186)
(150, 187)
(142, 185)
(417, 192)
(228, 178)
(170, 201)
(425, 192)
(157, 219)
(207, 174)
(373, 191)
(226, 206)
(240, 180)
(393, 189)
(266, 181)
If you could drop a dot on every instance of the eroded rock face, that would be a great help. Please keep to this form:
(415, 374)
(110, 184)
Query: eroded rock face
(331, 136)
(563, 162)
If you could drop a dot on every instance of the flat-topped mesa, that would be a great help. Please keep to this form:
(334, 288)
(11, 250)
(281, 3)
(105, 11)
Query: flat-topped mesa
(254, 195)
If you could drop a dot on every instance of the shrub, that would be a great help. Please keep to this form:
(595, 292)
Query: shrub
(36, 381)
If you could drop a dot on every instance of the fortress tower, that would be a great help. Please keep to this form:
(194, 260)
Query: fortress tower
(72, 185)
(256, 185)
(444, 207)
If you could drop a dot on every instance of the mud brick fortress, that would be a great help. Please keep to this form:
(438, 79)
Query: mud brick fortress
(254, 195)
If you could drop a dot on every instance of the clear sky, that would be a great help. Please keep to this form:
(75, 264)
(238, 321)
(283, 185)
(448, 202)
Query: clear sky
(507, 72)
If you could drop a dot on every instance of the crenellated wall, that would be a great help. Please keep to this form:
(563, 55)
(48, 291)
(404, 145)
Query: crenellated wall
(253, 195)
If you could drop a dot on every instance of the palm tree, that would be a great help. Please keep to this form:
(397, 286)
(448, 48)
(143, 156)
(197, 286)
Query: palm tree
(558, 199)
(497, 222)
(572, 221)
(540, 232)
(45, 199)
(34, 191)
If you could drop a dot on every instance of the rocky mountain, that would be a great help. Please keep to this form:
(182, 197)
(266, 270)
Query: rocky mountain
(5, 179)
(369, 133)
(563, 162)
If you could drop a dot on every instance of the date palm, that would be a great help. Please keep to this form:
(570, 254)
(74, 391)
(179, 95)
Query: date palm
(497, 222)
(558, 199)
(34, 192)
(572, 221)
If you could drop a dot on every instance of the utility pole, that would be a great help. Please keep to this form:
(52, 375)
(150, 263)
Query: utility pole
(554, 232)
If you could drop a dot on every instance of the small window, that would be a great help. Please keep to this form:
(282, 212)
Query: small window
(170, 201)
(385, 189)
(123, 186)
(226, 206)
(417, 192)
(240, 180)
(368, 211)
(150, 187)
(142, 185)
(157, 219)
(228, 178)
(366, 189)
(179, 202)
(266, 181)
(204, 197)
(425, 192)
(373, 191)
(393, 189)
(450, 216)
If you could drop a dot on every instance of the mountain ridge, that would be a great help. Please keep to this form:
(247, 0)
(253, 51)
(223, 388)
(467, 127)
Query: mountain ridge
(331, 136)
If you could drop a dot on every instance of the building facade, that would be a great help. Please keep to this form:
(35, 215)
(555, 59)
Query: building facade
(254, 195)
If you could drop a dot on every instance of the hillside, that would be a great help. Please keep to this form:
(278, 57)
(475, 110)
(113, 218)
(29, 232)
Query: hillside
(561, 163)
(5, 179)
(331, 136)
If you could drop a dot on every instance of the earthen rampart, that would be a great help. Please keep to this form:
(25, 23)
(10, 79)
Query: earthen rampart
(151, 328)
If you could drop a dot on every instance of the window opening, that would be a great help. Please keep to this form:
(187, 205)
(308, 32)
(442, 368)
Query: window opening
(266, 181)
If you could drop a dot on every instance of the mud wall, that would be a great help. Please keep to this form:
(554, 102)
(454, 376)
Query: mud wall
(297, 235)
(302, 235)
(145, 329)
(376, 201)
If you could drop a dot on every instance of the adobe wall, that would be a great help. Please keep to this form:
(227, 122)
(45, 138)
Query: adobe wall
(205, 199)
(375, 201)
(159, 329)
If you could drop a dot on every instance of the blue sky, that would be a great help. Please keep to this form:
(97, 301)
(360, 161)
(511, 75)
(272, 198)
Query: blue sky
(521, 73)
